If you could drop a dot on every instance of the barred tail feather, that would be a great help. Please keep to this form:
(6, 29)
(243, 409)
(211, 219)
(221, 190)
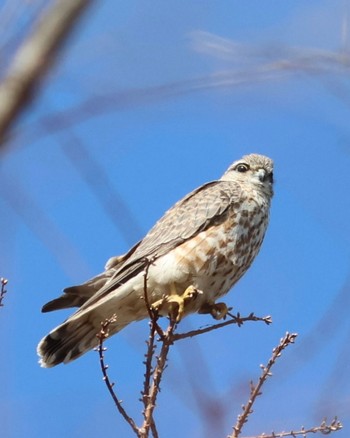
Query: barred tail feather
(69, 340)
(78, 334)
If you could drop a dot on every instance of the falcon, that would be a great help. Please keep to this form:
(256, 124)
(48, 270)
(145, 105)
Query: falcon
(193, 255)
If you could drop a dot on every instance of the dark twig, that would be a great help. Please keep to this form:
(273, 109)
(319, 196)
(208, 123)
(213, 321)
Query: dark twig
(102, 335)
(148, 364)
(235, 319)
(324, 428)
(154, 371)
(153, 376)
(151, 346)
(3, 290)
(167, 341)
(151, 311)
(255, 390)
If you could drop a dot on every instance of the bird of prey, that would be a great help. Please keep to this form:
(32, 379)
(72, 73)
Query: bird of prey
(194, 254)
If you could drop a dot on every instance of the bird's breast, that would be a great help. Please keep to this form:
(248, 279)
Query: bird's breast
(214, 259)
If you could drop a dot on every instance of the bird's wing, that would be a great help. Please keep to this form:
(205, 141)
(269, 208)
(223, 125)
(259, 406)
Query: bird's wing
(186, 218)
(196, 212)
(76, 296)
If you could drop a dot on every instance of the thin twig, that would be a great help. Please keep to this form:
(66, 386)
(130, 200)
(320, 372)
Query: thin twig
(154, 327)
(148, 373)
(151, 346)
(167, 341)
(255, 390)
(102, 335)
(151, 311)
(324, 428)
(3, 290)
(235, 319)
(148, 364)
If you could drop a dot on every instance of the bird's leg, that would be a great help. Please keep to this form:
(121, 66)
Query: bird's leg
(216, 310)
(174, 304)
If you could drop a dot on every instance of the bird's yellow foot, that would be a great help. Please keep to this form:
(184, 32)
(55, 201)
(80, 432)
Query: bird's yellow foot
(174, 304)
(216, 310)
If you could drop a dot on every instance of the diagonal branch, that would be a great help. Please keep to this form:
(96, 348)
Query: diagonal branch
(34, 58)
(255, 391)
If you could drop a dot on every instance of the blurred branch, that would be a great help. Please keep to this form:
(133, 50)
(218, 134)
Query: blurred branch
(323, 331)
(334, 392)
(16, 19)
(102, 187)
(3, 290)
(44, 228)
(34, 58)
(256, 64)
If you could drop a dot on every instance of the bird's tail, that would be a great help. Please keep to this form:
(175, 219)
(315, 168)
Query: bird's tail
(70, 340)
(78, 334)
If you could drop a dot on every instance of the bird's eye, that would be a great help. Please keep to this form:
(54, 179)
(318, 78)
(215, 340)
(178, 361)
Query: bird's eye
(242, 167)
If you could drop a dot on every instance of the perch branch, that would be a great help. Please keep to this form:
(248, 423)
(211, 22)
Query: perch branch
(102, 335)
(235, 319)
(167, 341)
(148, 362)
(153, 316)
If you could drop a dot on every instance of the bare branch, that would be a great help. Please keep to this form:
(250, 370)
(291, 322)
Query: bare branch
(235, 319)
(255, 390)
(155, 373)
(102, 335)
(3, 290)
(323, 428)
(148, 364)
(151, 311)
(151, 348)
(34, 58)
(167, 341)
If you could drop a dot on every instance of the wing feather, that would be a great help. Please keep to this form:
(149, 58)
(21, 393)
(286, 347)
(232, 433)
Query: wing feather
(196, 212)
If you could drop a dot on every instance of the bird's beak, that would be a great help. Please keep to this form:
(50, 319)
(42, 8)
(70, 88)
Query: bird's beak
(264, 176)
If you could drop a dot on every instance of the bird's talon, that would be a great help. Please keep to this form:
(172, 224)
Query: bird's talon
(216, 310)
(174, 304)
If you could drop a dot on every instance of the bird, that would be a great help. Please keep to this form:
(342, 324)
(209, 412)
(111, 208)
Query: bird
(193, 256)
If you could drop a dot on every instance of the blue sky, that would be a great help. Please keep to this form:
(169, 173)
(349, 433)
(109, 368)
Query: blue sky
(147, 102)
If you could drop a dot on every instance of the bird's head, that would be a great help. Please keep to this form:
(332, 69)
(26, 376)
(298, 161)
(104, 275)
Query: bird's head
(252, 169)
